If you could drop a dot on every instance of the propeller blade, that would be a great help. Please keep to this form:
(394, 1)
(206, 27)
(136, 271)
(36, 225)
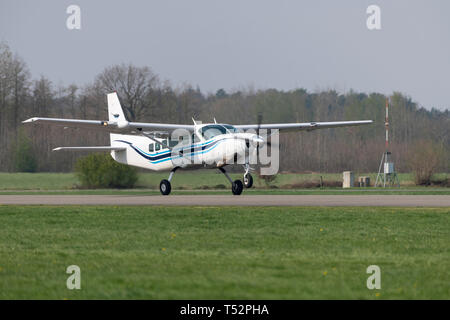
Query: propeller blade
(259, 121)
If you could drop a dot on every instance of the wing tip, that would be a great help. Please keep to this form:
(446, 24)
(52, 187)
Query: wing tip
(29, 120)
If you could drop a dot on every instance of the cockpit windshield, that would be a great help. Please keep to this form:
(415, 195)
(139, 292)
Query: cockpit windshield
(210, 131)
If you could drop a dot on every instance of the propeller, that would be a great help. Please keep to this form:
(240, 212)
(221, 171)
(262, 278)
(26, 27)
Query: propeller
(257, 140)
(266, 138)
(259, 121)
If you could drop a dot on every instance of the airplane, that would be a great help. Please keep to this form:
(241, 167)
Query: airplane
(211, 145)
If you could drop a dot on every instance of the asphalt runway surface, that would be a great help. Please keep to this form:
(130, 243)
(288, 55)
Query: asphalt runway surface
(230, 200)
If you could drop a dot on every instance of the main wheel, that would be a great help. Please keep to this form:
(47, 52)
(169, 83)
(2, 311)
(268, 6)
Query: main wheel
(237, 187)
(248, 180)
(165, 187)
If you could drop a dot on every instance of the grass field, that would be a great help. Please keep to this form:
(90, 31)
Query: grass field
(224, 253)
(182, 180)
(198, 182)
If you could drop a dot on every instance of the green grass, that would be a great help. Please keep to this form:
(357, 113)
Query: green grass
(150, 180)
(183, 180)
(37, 181)
(224, 253)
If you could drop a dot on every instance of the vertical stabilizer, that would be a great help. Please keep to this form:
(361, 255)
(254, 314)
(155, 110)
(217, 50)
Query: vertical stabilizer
(115, 111)
(115, 114)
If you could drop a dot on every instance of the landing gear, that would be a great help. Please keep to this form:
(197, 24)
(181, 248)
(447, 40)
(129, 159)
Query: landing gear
(236, 185)
(248, 180)
(165, 186)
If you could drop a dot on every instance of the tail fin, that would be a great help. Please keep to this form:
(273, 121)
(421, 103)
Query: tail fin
(115, 111)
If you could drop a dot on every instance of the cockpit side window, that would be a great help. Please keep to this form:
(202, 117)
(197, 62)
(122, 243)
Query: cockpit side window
(230, 128)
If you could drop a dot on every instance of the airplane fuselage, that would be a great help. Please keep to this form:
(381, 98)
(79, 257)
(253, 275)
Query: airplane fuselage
(145, 153)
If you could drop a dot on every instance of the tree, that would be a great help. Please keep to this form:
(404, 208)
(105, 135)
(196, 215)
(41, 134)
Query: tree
(43, 96)
(137, 87)
(221, 93)
(14, 85)
(24, 157)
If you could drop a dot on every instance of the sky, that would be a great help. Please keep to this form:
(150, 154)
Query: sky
(235, 44)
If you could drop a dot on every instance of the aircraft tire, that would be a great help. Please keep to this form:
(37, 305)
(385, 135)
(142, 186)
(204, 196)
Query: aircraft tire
(248, 180)
(165, 187)
(237, 187)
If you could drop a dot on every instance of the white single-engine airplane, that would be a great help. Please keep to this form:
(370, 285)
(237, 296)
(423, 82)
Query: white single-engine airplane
(213, 145)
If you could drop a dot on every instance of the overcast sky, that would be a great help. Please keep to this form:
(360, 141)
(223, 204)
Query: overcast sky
(239, 43)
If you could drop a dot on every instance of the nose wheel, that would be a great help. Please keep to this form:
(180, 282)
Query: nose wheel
(248, 180)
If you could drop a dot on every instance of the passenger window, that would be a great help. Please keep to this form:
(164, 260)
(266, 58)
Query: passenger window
(150, 147)
(157, 147)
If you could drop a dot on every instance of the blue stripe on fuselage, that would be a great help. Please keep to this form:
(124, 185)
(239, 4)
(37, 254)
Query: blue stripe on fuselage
(166, 155)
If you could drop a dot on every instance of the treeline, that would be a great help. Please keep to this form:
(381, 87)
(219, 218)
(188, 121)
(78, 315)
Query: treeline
(147, 98)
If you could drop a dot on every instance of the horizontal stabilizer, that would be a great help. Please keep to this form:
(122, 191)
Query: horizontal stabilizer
(107, 148)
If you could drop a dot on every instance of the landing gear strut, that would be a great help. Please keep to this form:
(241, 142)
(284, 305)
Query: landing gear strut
(236, 185)
(165, 186)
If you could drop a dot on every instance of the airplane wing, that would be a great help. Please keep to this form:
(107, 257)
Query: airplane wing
(308, 126)
(108, 126)
(117, 123)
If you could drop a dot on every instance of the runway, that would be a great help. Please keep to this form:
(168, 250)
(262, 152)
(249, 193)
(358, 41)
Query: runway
(230, 200)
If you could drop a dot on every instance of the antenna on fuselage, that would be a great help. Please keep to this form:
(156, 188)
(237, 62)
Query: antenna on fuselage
(195, 123)
(215, 120)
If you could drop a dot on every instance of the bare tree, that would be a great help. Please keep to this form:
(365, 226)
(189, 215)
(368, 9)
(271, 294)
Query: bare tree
(43, 96)
(137, 87)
